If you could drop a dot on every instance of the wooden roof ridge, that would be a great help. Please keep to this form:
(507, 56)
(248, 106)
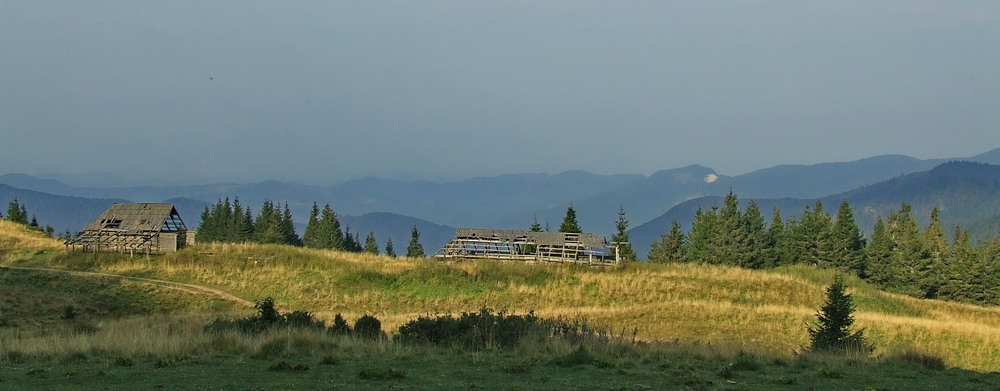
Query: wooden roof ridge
(137, 217)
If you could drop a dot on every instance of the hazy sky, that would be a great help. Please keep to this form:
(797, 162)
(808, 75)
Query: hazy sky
(329, 90)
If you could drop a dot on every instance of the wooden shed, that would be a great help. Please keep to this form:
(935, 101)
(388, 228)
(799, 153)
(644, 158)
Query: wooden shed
(149, 228)
(531, 247)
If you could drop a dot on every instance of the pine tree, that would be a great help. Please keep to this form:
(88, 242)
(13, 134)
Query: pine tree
(702, 237)
(390, 251)
(330, 235)
(934, 251)
(878, 256)
(670, 248)
(569, 224)
(846, 242)
(371, 246)
(17, 212)
(349, 244)
(288, 228)
(535, 227)
(621, 237)
(809, 238)
(752, 239)
(907, 251)
(310, 237)
(243, 222)
(775, 246)
(268, 227)
(415, 249)
(832, 331)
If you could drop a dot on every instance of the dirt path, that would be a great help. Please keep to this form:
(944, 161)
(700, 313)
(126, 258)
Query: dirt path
(189, 288)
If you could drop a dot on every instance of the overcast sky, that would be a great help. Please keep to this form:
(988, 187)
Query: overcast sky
(329, 90)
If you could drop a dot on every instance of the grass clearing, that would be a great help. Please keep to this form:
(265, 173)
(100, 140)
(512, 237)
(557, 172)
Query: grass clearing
(695, 321)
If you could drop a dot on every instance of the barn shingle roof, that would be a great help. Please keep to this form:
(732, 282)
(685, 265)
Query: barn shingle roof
(138, 217)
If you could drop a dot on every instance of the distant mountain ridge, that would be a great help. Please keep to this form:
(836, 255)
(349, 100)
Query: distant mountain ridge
(513, 201)
(966, 193)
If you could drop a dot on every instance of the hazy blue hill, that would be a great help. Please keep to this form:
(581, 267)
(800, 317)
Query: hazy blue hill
(390, 225)
(61, 212)
(818, 180)
(967, 193)
(642, 199)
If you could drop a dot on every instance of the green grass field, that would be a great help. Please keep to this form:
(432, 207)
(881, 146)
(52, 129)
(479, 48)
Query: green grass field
(697, 327)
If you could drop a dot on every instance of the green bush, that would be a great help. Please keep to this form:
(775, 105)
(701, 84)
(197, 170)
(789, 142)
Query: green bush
(471, 330)
(267, 317)
(368, 327)
(340, 326)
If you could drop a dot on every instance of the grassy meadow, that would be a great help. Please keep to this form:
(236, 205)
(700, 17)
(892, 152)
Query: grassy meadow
(696, 326)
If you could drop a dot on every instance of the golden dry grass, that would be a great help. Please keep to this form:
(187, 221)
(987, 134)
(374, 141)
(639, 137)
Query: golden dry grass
(17, 237)
(763, 311)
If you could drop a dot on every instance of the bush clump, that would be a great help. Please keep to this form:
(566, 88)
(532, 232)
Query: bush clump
(267, 317)
(369, 327)
(472, 329)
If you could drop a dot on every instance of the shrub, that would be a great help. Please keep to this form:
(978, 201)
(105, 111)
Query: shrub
(340, 326)
(267, 317)
(368, 327)
(471, 330)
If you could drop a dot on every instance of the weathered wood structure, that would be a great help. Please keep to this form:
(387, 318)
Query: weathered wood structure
(531, 247)
(133, 228)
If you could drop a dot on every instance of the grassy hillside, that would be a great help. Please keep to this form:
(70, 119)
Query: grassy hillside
(760, 311)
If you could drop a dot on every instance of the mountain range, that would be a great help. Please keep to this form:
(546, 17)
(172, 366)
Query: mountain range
(390, 208)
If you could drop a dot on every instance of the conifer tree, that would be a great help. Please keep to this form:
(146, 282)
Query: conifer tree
(907, 251)
(371, 246)
(846, 242)
(243, 222)
(330, 235)
(809, 238)
(17, 212)
(310, 237)
(535, 227)
(932, 262)
(349, 244)
(670, 248)
(878, 256)
(569, 223)
(288, 228)
(751, 238)
(832, 331)
(775, 253)
(702, 237)
(390, 251)
(415, 249)
(268, 226)
(621, 237)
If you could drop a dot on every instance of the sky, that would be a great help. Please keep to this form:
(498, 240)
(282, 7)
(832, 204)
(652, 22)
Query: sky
(324, 91)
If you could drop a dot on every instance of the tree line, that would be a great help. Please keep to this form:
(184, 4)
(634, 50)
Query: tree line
(18, 213)
(232, 222)
(898, 256)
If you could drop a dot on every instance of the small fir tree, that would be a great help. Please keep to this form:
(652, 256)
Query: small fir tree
(569, 224)
(670, 248)
(415, 249)
(371, 246)
(832, 330)
(621, 237)
(389, 250)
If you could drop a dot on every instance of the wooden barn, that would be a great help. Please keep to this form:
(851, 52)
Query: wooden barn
(531, 247)
(146, 228)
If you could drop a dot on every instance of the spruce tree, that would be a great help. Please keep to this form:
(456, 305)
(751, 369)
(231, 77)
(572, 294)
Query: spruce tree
(751, 239)
(907, 254)
(879, 266)
(832, 330)
(775, 253)
(809, 238)
(670, 248)
(310, 237)
(330, 236)
(846, 242)
(288, 228)
(371, 246)
(933, 257)
(390, 251)
(268, 226)
(569, 223)
(621, 237)
(702, 237)
(17, 212)
(415, 249)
